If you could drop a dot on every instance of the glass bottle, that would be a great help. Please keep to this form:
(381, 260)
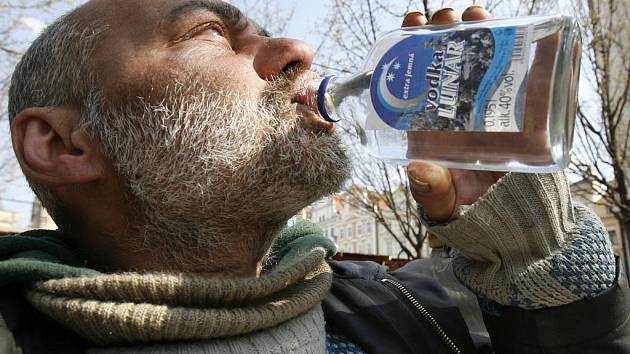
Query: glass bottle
(496, 95)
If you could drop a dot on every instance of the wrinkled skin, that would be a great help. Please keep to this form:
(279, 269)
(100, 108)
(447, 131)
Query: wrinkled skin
(207, 146)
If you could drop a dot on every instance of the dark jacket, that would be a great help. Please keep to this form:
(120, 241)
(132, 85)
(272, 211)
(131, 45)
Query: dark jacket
(382, 319)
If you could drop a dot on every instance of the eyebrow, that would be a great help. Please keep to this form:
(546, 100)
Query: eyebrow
(229, 13)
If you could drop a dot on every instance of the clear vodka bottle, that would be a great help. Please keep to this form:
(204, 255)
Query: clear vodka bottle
(495, 95)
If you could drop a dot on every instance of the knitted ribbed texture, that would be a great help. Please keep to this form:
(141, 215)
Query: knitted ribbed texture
(185, 289)
(131, 308)
(339, 344)
(141, 308)
(303, 334)
(524, 244)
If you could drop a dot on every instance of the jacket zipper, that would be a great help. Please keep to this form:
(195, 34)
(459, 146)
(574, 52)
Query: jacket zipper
(424, 314)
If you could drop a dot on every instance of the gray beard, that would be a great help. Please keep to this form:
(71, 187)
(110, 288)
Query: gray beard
(214, 173)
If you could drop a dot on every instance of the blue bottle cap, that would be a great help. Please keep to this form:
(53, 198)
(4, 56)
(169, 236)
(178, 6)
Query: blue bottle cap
(321, 97)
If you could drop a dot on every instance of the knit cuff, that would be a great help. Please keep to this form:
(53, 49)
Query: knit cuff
(524, 244)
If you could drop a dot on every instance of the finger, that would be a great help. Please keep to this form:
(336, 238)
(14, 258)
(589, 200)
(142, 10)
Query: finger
(475, 13)
(445, 16)
(432, 187)
(414, 18)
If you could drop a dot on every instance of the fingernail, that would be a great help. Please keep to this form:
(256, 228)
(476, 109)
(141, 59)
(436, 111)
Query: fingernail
(447, 14)
(420, 186)
(475, 7)
(414, 18)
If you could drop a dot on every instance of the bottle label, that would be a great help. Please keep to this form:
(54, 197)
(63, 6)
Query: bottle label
(462, 80)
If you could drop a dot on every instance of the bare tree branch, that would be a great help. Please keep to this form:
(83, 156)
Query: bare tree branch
(602, 152)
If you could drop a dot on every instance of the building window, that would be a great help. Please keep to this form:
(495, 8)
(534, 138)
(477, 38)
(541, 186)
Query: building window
(359, 229)
(360, 248)
(350, 231)
(341, 234)
(369, 248)
(368, 228)
(612, 234)
(389, 247)
(354, 247)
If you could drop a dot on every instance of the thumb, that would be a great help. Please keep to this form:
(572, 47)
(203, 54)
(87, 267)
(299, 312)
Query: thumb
(432, 187)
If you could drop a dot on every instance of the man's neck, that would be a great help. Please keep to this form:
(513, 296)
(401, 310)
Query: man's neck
(233, 254)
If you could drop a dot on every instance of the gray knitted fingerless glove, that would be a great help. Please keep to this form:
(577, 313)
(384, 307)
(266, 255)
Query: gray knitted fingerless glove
(524, 244)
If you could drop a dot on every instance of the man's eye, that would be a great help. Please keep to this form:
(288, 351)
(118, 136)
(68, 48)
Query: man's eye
(211, 33)
(208, 32)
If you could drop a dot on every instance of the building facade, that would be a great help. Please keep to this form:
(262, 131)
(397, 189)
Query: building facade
(354, 230)
(351, 230)
(10, 221)
(40, 219)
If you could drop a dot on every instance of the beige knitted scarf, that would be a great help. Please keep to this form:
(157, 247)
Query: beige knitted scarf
(131, 308)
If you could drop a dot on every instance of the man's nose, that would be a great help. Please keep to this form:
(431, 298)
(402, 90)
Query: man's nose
(276, 55)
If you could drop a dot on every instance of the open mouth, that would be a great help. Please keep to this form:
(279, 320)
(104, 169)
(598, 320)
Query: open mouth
(306, 99)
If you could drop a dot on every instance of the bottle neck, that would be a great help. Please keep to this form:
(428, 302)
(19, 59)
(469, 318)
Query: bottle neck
(334, 90)
(322, 97)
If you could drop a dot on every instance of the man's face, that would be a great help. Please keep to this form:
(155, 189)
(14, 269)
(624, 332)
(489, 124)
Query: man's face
(203, 120)
(154, 44)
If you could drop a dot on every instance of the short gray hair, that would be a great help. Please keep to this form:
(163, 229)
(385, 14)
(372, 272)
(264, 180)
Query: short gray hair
(56, 71)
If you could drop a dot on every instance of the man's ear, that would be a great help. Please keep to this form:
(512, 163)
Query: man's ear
(52, 149)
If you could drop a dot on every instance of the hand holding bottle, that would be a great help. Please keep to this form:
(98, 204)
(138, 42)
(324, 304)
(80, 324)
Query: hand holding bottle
(482, 94)
(441, 191)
